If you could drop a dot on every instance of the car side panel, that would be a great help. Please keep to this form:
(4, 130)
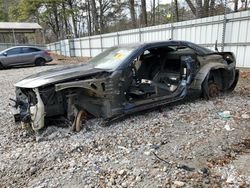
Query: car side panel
(13, 60)
(26, 58)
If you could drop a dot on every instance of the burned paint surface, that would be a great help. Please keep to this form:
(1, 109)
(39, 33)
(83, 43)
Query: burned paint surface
(123, 80)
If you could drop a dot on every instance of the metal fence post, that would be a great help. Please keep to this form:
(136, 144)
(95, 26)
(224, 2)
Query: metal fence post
(72, 48)
(118, 42)
(90, 53)
(65, 49)
(60, 47)
(172, 31)
(101, 43)
(224, 27)
(14, 36)
(139, 34)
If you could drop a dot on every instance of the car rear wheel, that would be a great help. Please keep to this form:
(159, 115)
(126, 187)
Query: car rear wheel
(236, 78)
(210, 89)
(40, 62)
(213, 90)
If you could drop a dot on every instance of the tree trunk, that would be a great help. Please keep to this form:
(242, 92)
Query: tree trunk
(236, 5)
(199, 13)
(73, 18)
(153, 12)
(212, 4)
(191, 6)
(65, 20)
(55, 14)
(205, 8)
(94, 16)
(144, 12)
(102, 26)
(158, 10)
(89, 18)
(176, 10)
(132, 12)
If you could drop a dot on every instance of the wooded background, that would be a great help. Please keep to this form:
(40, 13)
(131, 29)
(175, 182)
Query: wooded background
(65, 19)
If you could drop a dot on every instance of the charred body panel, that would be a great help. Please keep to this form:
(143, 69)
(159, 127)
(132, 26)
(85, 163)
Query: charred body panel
(124, 80)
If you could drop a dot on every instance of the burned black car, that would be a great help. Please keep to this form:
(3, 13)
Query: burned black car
(125, 79)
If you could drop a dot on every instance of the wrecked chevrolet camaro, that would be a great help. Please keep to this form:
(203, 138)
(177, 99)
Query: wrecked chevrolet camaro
(123, 80)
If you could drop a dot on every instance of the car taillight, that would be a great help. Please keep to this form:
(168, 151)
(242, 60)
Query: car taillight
(46, 53)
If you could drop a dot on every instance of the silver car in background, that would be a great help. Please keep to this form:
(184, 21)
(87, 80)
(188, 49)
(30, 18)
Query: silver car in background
(23, 55)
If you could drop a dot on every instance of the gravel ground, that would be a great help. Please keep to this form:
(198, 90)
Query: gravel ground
(186, 144)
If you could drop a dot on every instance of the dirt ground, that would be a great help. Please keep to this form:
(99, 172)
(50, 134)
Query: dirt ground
(62, 60)
(195, 143)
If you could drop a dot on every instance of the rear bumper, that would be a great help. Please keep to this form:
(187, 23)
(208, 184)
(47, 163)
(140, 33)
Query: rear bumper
(48, 60)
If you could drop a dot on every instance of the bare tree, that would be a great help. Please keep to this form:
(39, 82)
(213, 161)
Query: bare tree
(65, 19)
(56, 25)
(72, 13)
(144, 13)
(101, 15)
(132, 12)
(104, 7)
(176, 10)
(89, 18)
(246, 4)
(211, 10)
(192, 7)
(153, 10)
(201, 8)
(94, 16)
(236, 5)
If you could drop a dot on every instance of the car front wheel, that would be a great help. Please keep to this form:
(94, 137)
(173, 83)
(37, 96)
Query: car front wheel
(1, 66)
(40, 62)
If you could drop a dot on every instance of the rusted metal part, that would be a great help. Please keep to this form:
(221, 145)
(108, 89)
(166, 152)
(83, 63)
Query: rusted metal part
(213, 90)
(80, 119)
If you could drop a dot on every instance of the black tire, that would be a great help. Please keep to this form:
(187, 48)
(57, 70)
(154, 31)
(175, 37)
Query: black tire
(40, 62)
(210, 89)
(1, 66)
(236, 78)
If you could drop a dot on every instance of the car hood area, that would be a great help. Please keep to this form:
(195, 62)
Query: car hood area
(58, 75)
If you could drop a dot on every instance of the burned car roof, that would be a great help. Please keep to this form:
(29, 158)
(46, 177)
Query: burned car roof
(199, 49)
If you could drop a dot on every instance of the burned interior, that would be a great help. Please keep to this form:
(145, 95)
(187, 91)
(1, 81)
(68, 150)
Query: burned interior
(158, 71)
(123, 80)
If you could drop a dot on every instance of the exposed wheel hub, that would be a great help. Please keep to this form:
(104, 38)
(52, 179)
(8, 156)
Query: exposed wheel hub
(80, 118)
(213, 90)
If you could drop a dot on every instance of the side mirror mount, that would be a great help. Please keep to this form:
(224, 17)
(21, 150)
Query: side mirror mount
(5, 54)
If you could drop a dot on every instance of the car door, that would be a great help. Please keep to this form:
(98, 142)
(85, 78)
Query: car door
(158, 79)
(28, 54)
(12, 57)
